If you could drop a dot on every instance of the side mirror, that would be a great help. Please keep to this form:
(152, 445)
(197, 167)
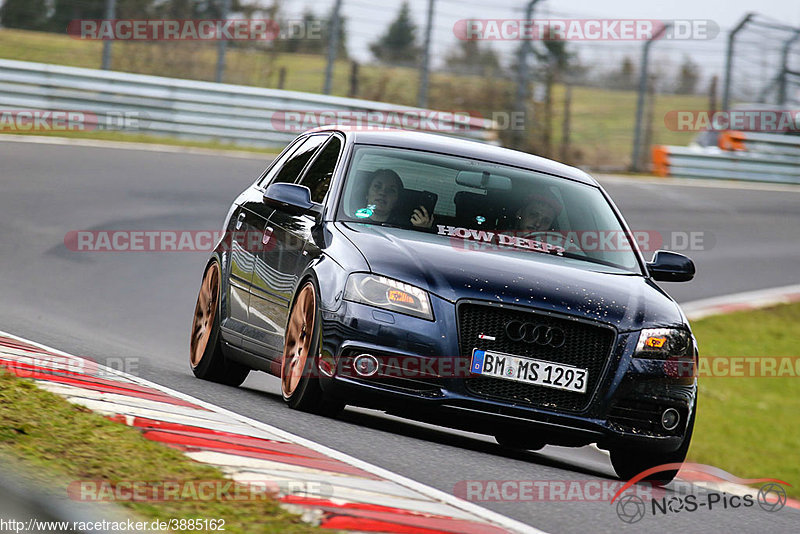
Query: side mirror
(670, 267)
(291, 198)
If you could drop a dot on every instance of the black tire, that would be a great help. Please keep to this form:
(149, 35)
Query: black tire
(629, 462)
(308, 395)
(517, 441)
(208, 362)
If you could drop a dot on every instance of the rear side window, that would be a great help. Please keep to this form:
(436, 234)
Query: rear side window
(318, 176)
(293, 166)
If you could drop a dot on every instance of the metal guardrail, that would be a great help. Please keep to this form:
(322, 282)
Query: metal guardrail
(198, 110)
(740, 156)
(765, 143)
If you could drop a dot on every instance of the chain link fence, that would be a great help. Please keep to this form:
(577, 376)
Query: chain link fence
(580, 100)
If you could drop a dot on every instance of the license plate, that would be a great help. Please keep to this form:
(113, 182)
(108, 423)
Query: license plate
(529, 370)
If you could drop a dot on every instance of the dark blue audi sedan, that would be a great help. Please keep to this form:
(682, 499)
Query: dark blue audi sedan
(455, 283)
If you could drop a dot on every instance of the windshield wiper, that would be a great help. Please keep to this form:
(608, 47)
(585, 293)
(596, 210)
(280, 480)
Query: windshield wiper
(589, 259)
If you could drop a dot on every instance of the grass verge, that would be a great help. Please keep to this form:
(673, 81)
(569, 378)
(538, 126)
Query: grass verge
(147, 139)
(750, 426)
(62, 442)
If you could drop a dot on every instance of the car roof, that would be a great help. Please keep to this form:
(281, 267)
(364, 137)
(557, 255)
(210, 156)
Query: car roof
(462, 147)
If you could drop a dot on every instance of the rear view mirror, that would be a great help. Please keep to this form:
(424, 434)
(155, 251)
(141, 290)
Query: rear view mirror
(483, 180)
(670, 267)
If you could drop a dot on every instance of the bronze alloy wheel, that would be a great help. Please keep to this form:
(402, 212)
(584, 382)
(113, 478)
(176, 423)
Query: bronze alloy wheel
(298, 341)
(204, 314)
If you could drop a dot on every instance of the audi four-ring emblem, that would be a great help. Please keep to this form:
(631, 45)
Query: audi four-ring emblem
(535, 333)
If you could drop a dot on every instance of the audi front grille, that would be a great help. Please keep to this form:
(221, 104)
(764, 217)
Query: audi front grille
(585, 345)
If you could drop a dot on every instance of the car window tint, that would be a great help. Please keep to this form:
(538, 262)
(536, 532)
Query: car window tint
(275, 166)
(523, 205)
(289, 171)
(318, 176)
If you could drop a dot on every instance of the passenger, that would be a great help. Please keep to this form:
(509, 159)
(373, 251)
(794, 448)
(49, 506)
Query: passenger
(383, 202)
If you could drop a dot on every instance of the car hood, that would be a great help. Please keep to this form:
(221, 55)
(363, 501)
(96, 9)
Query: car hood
(450, 269)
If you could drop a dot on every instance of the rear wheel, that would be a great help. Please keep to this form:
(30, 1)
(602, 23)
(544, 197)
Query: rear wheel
(205, 351)
(299, 384)
(629, 462)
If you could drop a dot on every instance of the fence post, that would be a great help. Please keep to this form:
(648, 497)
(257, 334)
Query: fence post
(647, 137)
(637, 131)
(282, 78)
(353, 92)
(222, 44)
(726, 90)
(111, 8)
(522, 82)
(712, 94)
(565, 125)
(785, 67)
(422, 95)
(333, 45)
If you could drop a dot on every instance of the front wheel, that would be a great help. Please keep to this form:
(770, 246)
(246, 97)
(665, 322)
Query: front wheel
(299, 384)
(205, 351)
(629, 462)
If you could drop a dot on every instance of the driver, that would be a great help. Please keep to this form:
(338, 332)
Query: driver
(538, 213)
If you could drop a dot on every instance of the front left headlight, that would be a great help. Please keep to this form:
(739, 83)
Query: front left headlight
(664, 343)
(389, 294)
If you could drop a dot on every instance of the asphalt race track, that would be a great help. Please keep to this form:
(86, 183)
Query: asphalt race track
(132, 310)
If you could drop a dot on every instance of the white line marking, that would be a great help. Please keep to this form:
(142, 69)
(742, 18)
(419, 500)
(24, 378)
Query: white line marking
(695, 182)
(761, 298)
(433, 493)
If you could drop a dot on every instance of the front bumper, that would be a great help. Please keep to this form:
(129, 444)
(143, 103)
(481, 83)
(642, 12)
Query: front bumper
(623, 407)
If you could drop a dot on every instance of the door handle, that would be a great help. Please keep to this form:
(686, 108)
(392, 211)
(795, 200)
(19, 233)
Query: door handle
(240, 220)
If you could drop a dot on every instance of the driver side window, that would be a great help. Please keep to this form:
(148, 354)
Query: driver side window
(291, 165)
(319, 174)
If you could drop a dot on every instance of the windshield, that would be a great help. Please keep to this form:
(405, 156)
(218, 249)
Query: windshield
(497, 207)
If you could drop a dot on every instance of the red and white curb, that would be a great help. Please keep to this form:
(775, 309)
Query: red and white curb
(749, 300)
(361, 497)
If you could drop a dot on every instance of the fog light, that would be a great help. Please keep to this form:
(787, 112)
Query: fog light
(670, 419)
(365, 365)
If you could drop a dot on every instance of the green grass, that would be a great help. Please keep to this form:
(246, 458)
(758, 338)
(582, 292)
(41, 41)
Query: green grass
(601, 126)
(750, 426)
(59, 442)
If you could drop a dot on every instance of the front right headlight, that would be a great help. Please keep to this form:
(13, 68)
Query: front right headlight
(664, 343)
(389, 294)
